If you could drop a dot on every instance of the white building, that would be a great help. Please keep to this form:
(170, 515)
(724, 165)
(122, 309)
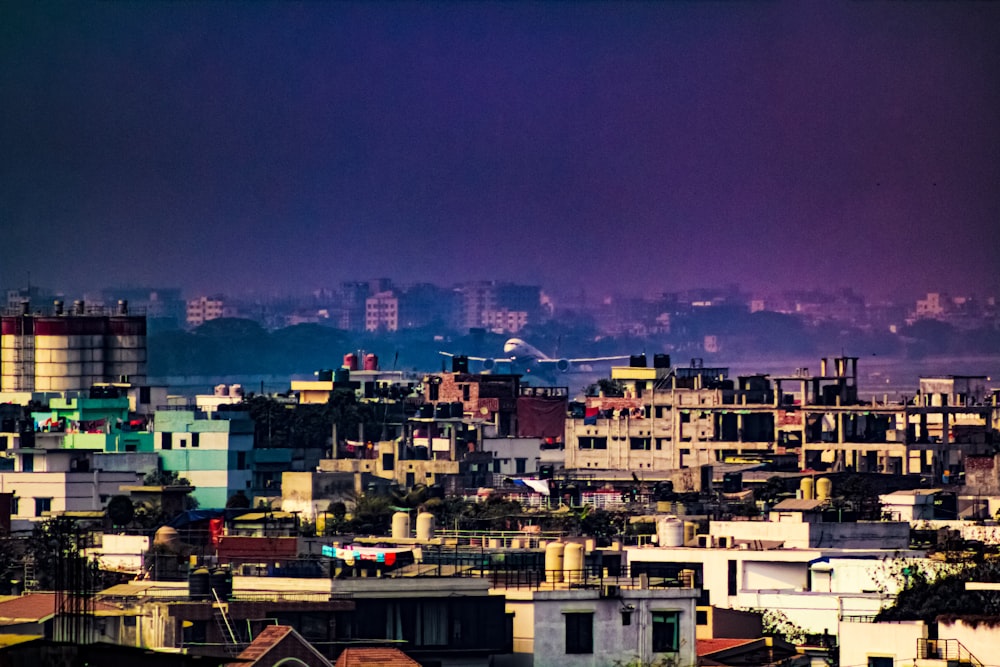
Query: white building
(382, 312)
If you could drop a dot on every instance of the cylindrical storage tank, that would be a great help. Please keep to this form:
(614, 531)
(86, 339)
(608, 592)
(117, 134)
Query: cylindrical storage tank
(806, 487)
(371, 362)
(125, 350)
(167, 538)
(221, 583)
(425, 526)
(442, 411)
(573, 562)
(457, 410)
(554, 561)
(425, 411)
(401, 525)
(690, 532)
(342, 376)
(670, 532)
(351, 361)
(325, 375)
(824, 488)
(17, 354)
(199, 586)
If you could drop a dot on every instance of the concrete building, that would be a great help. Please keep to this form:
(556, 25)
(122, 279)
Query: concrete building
(206, 308)
(382, 312)
(214, 452)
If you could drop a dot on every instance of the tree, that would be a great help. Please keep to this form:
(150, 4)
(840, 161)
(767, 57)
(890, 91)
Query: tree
(52, 542)
(925, 597)
(238, 500)
(121, 511)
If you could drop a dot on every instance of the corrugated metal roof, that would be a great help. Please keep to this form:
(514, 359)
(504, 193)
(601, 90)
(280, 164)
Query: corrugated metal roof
(798, 505)
(375, 657)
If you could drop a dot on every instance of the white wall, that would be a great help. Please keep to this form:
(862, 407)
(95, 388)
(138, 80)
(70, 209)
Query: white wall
(981, 640)
(814, 612)
(768, 575)
(898, 640)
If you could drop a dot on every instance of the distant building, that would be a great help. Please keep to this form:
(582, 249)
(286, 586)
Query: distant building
(382, 312)
(205, 308)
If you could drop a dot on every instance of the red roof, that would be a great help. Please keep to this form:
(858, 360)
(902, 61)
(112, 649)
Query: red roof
(269, 640)
(375, 657)
(710, 646)
(35, 607)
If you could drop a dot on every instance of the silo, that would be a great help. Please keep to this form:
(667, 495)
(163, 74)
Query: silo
(69, 352)
(401, 525)
(824, 488)
(199, 585)
(554, 561)
(573, 562)
(425, 526)
(125, 348)
(371, 362)
(670, 531)
(17, 353)
(806, 488)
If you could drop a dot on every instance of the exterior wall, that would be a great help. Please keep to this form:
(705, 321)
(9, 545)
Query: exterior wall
(896, 640)
(858, 535)
(121, 552)
(613, 641)
(980, 639)
(766, 575)
(311, 493)
(68, 491)
(815, 612)
(508, 450)
(221, 463)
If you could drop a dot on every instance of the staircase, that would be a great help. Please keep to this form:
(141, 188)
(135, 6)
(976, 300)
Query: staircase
(950, 650)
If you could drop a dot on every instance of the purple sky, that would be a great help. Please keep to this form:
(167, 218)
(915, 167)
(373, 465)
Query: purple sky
(642, 147)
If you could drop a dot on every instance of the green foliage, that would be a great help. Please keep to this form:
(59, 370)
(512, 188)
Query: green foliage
(238, 500)
(121, 511)
(777, 624)
(311, 425)
(165, 478)
(926, 597)
(52, 541)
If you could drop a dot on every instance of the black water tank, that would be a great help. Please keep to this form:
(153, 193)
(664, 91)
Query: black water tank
(325, 375)
(637, 361)
(661, 361)
(199, 587)
(442, 411)
(457, 410)
(221, 583)
(460, 364)
(426, 411)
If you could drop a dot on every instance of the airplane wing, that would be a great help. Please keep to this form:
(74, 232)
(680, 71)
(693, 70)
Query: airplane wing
(588, 360)
(452, 354)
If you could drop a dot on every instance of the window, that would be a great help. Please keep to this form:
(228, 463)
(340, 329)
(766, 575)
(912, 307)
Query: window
(641, 444)
(194, 439)
(733, 581)
(701, 617)
(580, 632)
(593, 443)
(879, 661)
(144, 396)
(666, 637)
(42, 505)
(241, 460)
(520, 466)
(27, 463)
(166, 441)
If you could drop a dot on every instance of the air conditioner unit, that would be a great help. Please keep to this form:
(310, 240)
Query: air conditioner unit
(724, 542)
(704, 541)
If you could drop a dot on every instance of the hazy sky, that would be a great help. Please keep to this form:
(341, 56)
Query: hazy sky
(640, 146)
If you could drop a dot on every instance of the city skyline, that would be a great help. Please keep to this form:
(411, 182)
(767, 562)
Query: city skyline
(280, 147)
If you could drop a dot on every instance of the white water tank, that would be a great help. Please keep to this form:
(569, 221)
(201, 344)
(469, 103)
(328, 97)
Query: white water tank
(669, 531)
(554, 561)
(400, 525)
(425, 526)
(573, 562)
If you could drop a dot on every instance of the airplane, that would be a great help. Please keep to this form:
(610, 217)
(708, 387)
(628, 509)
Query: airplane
(521, 352)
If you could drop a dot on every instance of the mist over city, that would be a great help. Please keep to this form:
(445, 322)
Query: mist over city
(500, 334)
